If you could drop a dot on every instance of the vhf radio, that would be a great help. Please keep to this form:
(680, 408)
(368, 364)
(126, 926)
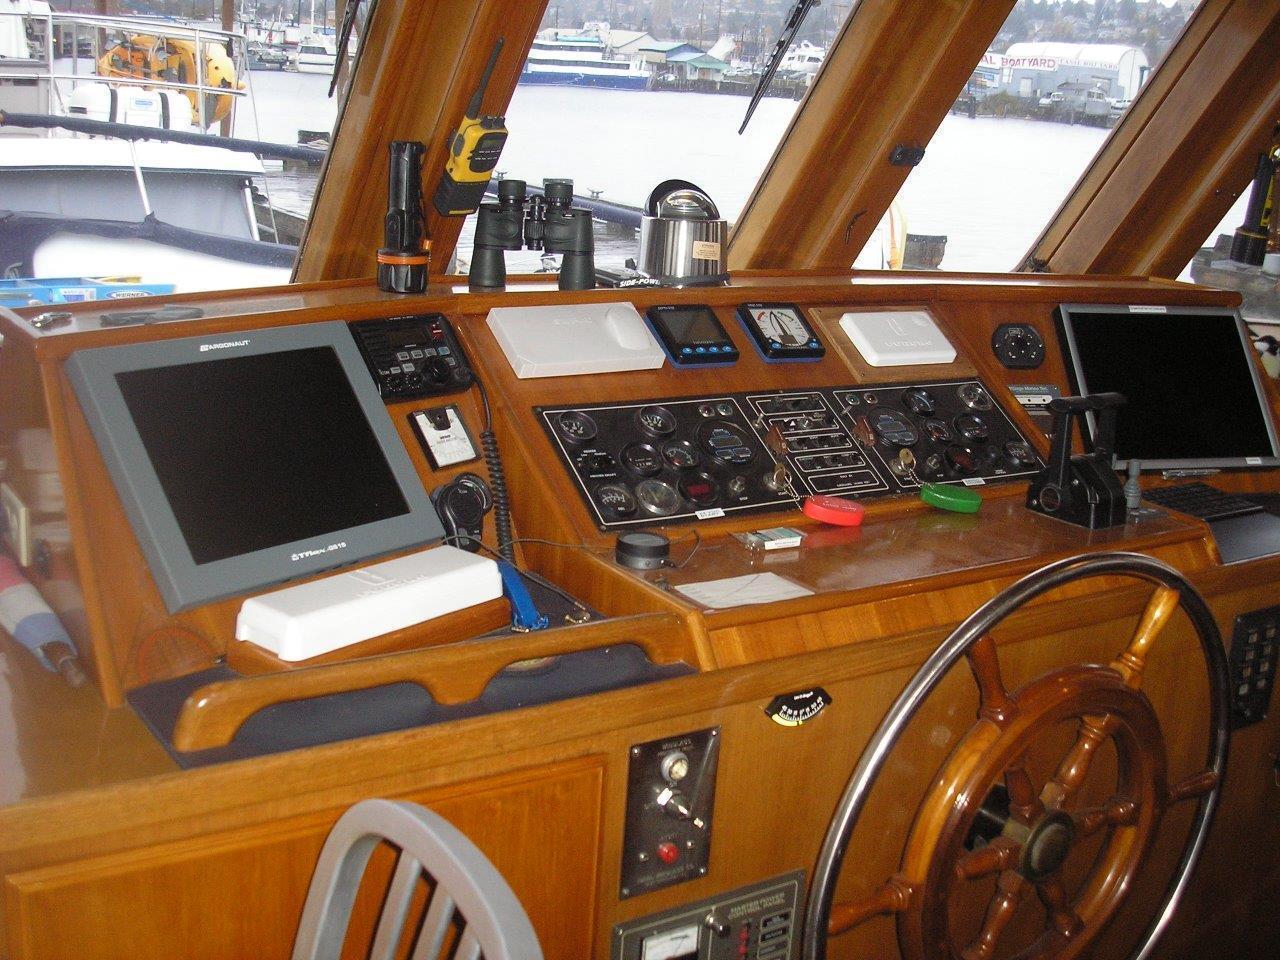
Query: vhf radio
(414, 356)
(474, 149)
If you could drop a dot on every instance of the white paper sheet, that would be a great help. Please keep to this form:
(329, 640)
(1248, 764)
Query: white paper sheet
(740, 591)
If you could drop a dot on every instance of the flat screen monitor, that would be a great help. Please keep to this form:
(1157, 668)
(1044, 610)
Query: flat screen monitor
(247, 459)
(1191, 379)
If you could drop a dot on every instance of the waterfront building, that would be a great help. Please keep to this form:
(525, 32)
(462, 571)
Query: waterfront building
(1037, 70)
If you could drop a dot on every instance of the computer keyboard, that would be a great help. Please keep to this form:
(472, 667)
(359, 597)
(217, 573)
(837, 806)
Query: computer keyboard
(1201, 500)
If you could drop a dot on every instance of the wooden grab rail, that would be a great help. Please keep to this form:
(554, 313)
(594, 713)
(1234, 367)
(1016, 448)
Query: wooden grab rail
(213, 714)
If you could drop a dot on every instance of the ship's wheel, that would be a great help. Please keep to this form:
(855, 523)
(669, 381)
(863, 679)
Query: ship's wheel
(1033, 828)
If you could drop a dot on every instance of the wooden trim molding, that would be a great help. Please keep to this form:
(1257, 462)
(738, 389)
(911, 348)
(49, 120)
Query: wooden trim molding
(1187, 149)
(830, 180)
(429, 57)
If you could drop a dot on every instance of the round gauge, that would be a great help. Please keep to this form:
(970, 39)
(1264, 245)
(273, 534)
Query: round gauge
(972, 427)
(657, 497)
(641, 458)
(919, 401)
(973, 396)
(699, 489)
(1018, 346)
(656, 421)
(726, 442)
(937, 431)
(576, 426)
(1020, 453)
(681, 454)
(616, 499)
(894, 427)
(960, 459)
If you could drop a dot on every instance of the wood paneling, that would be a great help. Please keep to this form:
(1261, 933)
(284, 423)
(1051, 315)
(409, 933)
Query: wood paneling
(249, 885)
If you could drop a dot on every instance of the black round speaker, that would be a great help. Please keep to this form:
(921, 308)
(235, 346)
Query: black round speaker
(642, 550)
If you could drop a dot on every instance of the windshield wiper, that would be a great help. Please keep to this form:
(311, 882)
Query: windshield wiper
(794, 21)
(344, 38)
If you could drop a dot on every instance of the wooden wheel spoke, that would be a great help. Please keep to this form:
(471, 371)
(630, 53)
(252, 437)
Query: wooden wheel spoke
(893, 897)
(1194, 786)
(995, 704)
(1063, 919)
(1131, 663)
(999, 855)
(1120, 812)
(1024, 804)
(1009, 890)
(1075, 765)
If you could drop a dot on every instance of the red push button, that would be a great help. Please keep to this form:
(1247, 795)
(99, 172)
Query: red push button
(668, 852)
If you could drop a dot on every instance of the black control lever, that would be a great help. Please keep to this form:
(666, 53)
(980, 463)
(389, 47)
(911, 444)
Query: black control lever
(1081, 489)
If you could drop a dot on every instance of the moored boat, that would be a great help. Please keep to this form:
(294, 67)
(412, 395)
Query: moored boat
(580, 60)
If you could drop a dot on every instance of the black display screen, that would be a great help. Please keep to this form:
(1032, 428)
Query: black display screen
(1188, 379)
(257, 451)
(691, 325)
(692, 335)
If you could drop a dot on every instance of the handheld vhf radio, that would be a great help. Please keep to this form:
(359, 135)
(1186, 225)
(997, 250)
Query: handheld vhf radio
(474, 149)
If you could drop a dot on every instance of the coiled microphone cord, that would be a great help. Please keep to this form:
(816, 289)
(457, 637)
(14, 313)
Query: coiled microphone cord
(497, 480)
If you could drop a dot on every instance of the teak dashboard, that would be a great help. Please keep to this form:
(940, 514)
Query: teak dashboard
(166, 784)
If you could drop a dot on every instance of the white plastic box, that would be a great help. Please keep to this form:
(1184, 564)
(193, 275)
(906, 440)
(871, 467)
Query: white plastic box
(314, 618)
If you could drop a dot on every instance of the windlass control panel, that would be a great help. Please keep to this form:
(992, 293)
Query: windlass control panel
(677, 460)
(671, 786)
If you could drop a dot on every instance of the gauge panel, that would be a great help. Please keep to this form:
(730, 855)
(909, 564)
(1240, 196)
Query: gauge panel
(664, 460)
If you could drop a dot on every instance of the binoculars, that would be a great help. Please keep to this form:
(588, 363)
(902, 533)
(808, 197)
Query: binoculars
(548, 221)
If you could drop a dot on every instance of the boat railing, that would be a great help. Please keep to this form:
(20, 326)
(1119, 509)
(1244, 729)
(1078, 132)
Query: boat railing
(95, 28)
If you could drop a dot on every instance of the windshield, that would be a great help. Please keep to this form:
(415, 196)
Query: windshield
(154, 155)
(1032, 117)
(657, 92)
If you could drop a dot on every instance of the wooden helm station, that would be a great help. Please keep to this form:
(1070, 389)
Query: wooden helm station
(107, 842)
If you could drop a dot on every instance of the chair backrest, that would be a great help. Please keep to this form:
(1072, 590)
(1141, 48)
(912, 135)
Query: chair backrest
(461, 882)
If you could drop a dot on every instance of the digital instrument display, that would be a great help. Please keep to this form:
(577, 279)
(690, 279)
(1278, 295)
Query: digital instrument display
(691, 336)
(310, 468)
(247, 459)
(780, 332)
(1189, 375)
